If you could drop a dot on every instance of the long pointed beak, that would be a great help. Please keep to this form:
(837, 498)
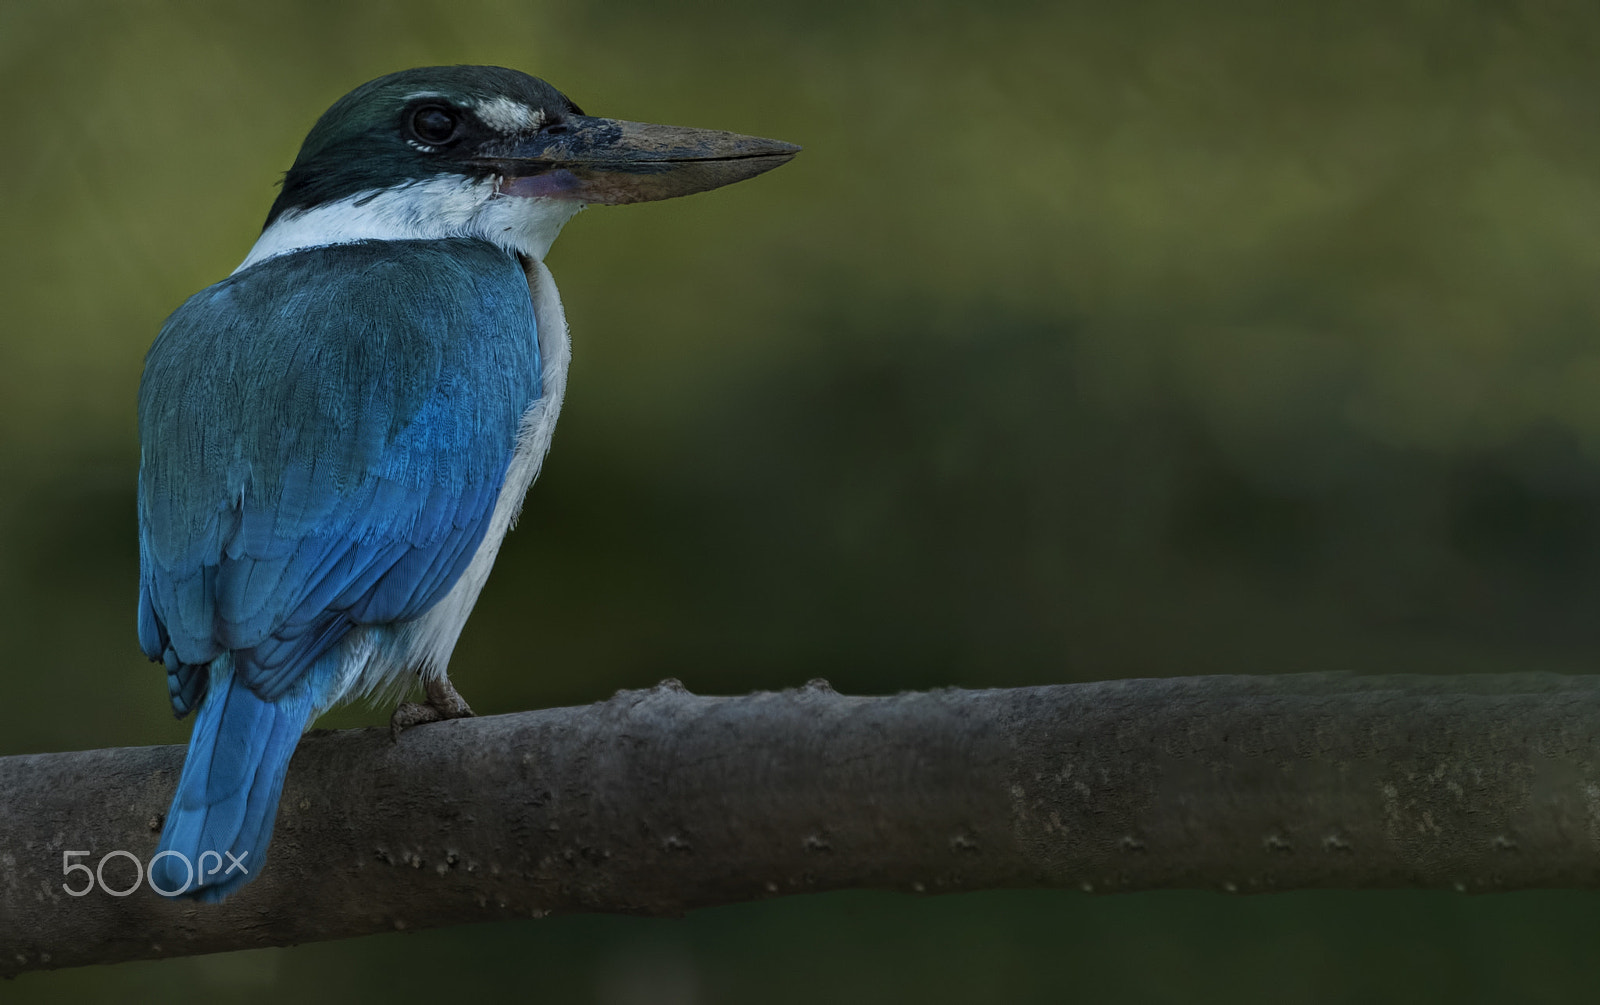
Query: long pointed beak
(611, 162)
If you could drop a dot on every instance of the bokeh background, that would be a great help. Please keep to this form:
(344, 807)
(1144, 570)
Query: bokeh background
(1083, 341)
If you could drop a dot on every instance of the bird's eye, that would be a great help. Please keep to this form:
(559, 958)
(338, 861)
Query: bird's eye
(556, 128)
(434, 124)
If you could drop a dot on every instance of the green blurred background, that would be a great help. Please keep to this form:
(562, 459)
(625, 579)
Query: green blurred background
(1083, 341)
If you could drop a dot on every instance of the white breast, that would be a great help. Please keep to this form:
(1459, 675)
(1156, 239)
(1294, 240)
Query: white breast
(381, 660)
(431, 637)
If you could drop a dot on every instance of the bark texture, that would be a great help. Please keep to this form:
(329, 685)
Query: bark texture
(660, 801)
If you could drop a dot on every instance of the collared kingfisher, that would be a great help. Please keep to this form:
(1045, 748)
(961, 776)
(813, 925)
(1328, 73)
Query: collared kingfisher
(335, 439)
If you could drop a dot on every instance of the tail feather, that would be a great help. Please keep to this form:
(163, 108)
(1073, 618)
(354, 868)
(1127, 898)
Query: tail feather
(221, 818)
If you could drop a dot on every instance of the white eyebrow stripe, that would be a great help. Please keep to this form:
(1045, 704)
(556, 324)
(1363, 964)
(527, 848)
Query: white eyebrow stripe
(504, 115)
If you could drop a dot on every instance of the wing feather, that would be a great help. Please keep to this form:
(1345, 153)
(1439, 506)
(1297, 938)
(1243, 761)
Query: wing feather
(324, 437)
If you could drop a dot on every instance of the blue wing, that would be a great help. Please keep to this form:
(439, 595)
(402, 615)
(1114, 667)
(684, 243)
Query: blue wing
(323, 439)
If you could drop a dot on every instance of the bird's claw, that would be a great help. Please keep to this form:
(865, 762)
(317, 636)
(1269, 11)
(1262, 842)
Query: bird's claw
(444, 702)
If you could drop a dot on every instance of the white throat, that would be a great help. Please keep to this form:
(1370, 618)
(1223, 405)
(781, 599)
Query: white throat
(434, 209)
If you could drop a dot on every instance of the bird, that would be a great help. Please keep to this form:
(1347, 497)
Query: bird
(335, 439)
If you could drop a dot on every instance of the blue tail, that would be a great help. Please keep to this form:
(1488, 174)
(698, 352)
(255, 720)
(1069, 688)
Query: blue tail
(221, 817)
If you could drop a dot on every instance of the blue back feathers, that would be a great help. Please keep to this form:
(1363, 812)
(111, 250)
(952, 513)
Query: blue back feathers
(324, 436)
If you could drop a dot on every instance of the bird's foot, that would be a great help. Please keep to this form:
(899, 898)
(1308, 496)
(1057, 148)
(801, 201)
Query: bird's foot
(444, 702)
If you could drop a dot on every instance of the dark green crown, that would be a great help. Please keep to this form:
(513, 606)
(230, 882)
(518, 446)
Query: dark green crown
(364, 141)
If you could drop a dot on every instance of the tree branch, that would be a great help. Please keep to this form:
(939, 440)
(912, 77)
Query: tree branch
(660, 801)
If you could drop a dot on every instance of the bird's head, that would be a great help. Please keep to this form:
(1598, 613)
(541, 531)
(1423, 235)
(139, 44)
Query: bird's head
(483, 151)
